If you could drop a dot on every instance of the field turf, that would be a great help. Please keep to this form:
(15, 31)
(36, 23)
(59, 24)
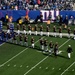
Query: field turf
(21, 60)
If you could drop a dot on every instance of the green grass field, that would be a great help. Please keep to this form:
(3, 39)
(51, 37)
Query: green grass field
(20, 60)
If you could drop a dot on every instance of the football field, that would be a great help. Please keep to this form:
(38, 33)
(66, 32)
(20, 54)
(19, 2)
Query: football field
(21, 60)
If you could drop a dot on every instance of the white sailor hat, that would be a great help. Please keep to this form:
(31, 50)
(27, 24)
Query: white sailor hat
(69, 45)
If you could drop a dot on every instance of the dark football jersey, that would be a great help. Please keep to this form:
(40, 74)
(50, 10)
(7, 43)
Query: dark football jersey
(9, 35)
(60, 30)
(41, 28)
(69, 50)
(20, 37)
(32, 40)
(74, 32)
(25, 39)
(35, 28)
(5, 34)
(29, 27)
(69, 31)
(14, 37)
(51, 45)
(18, 27)
(56, 47)
(7, 27)
(0, 33)
(54, 29)
(45, 43)
(47, 29)
(24, 27)
(42, 42)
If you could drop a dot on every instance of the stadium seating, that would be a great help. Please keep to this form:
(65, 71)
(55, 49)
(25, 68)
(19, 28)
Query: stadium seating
(36, 4)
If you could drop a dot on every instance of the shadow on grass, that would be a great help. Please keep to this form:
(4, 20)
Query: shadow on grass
(62, 56)
(53, 56)
(46, 53)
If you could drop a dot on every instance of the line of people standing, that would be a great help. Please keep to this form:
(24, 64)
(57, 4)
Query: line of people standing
(47, 30)
(23, 40)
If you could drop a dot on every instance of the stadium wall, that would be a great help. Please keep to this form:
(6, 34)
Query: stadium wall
(34, 13)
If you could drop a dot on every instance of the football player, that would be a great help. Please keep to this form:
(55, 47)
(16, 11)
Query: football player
(41, 44)
(69, 31)
(25, 40)
(35, 29)
(45, 45)
(8, 29)
(4, 36)
(47, 30)
(0, 35)
(60, 32)
(54, 30)
(29, 29)
(74, 33)
(69, 50)
(56, 49)
(51, 45)
(24, 29)
(32, 42)
(14, 38)
(20, 38)
(9, 37)
(18, 29)
(41, 30)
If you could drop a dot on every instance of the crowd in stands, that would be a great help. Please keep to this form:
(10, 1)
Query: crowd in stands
(36, 4)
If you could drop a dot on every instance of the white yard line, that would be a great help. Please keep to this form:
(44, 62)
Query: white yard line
(65, 43)
(2, 44)
(36, 65)
(43, 59)
(13, 57)
(68, 68)
(16, 55)
(5, 42)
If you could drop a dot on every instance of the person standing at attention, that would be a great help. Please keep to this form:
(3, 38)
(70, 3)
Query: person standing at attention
(69, 50)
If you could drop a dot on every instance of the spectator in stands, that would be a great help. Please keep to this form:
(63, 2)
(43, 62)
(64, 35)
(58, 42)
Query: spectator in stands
(42, 4)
